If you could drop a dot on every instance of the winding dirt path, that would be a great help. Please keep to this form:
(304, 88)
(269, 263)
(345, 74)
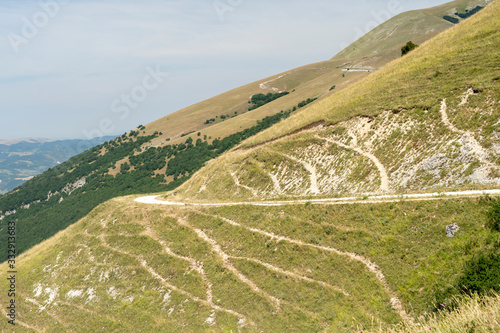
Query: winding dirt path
(227, 263)
(293, 275)
(194, 264)
(467, 137)
(384, 178)
(237, 182)
(313, 188)
(444, 118)
(166, 284)
(372, 267)
(465, 97)
(368, 199)
(264, 86)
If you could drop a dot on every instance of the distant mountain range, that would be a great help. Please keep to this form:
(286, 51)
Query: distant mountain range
(22, 159)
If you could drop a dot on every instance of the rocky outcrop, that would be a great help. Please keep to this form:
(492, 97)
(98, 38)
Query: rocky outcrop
(451, 230)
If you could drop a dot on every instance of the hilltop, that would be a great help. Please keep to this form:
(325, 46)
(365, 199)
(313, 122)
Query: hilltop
(427, 121)
(416, 25)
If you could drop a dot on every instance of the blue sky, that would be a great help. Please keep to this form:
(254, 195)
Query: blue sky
(65, 65)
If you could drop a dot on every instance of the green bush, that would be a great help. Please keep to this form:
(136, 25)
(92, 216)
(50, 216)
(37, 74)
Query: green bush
(494, 214)
(450, 19)
(408, 47)
(481, 275)
(259, 100)
(469, 13)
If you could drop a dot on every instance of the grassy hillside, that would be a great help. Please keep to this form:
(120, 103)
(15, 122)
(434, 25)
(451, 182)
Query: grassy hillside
(417, 26)
(427, 121)
(370, 52)
(293, 268)
(61, 196)
(475, 314)
(162, 155)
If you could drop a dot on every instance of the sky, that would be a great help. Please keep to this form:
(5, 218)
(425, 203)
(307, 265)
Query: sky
(85, 68)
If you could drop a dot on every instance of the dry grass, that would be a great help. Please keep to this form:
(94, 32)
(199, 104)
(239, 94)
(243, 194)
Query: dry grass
(461, 57)
(143, 262)
(309, 81)
(417, 26)
(404, 101)
(473, 315)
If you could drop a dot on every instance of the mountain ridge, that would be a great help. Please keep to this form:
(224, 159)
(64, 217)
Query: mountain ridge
(163, 154)
(366, 112)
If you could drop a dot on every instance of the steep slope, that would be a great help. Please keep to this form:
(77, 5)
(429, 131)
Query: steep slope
(417, 26)
(162, 155)
(473, 315)
(426, 121)
(305, 267)
(373, 51)
(294, 268)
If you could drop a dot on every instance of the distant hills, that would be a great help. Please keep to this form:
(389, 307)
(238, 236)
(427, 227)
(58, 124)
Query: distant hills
(22, 159)
(416, 25)
(8, 142)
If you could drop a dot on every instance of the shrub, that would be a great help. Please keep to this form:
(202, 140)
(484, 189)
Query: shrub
(481, 275)
(259, 100)
(453, 20)
(408, 47)
(493, 213)
(469, 13)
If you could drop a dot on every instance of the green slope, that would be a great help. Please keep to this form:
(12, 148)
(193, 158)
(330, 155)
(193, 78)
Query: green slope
(132, 267)
(417, 26)
(298, 268)
(165, 153)
(427, 121)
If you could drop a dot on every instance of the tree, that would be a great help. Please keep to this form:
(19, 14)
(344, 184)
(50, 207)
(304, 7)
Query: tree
(408, 47)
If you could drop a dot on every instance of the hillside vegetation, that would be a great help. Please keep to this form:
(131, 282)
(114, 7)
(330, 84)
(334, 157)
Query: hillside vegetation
(64, 194)
(291, 268)
(162, 155)
(23, 160)
(427, 121)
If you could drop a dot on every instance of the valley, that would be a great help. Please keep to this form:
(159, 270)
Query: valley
(22, 161)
